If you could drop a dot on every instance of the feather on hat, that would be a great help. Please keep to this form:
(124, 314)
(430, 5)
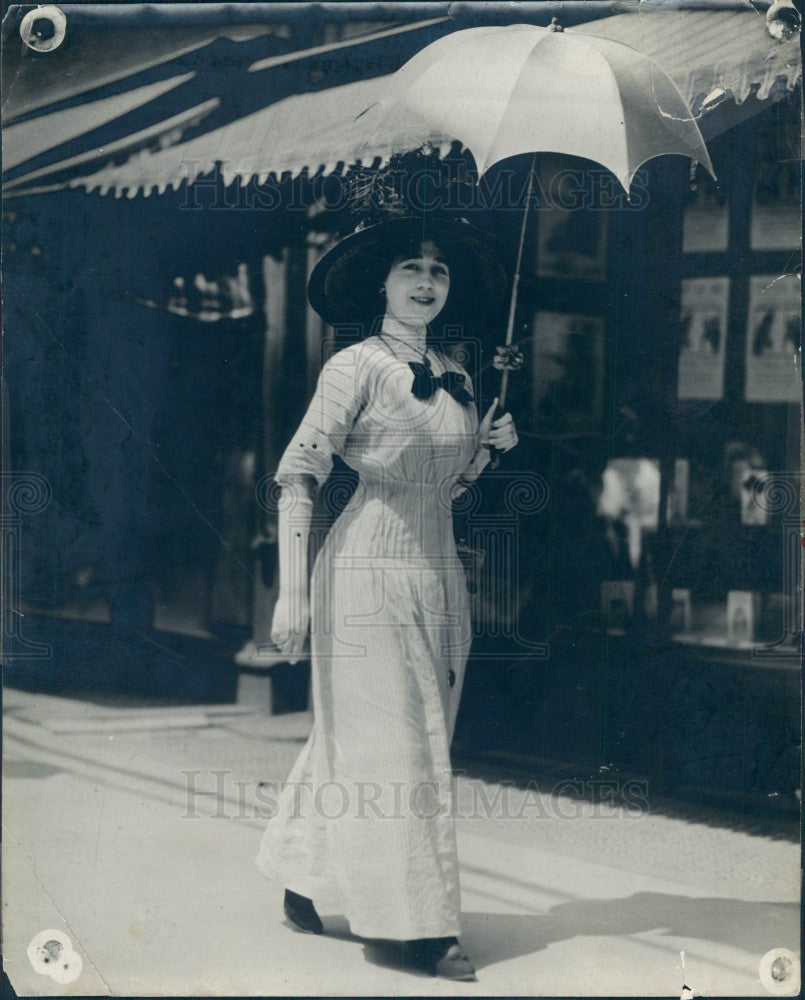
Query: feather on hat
(394, 210)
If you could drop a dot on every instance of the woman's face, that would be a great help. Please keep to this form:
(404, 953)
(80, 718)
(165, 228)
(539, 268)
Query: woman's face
(417, 287)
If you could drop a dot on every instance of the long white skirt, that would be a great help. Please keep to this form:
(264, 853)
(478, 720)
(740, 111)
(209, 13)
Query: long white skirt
(364, 825)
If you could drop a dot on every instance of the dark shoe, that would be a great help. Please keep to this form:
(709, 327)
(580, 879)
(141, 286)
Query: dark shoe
(302, 913)
(444, 958)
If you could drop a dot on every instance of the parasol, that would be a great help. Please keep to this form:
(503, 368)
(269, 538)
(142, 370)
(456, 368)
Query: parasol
(504, 91)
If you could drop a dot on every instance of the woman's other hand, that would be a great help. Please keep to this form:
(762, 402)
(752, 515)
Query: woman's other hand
(500, 434)
(290, 625)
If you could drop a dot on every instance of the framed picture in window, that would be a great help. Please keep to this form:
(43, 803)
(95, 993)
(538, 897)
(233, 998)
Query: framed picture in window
(705, 223)
(776, 213)
(776, 223)
(773, 339)
(571, 228)
(703, 316)
(568, 370)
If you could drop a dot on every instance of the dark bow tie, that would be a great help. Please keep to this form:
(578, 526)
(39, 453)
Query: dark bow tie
(426, 383)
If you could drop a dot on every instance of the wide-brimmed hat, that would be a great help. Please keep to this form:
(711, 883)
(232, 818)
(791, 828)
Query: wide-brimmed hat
(344, 287)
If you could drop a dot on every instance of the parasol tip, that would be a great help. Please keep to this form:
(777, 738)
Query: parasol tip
(706, 162)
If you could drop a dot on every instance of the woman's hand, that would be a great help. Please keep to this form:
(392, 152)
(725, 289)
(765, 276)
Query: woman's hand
(290, 624)
(500, 434)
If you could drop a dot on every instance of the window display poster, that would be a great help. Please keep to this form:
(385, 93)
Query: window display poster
(776, 226)
(743, 614)
(572, 230)
(776, 222)
(755, 502)
(705, 224)
(703, 316)
(568, 353)
(773, 340)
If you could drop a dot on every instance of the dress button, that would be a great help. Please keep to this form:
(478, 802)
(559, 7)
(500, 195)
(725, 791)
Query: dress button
(451, 678)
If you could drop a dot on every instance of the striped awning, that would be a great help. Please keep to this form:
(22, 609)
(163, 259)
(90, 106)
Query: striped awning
(34, 136)
(710, 50)
(712, 55)
(65, 135)
(303, 132)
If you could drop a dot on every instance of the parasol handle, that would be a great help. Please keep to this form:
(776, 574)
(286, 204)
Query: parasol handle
(504, 377)
(504, 385)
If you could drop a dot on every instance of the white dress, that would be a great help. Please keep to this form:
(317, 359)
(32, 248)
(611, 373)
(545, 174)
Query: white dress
(364, 826)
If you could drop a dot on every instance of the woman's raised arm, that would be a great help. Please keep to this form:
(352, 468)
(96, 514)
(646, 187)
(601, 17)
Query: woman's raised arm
(500, 434)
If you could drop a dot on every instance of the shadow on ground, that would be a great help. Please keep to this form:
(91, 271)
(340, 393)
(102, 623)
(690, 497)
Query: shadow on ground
(754, 927)
(492, 938)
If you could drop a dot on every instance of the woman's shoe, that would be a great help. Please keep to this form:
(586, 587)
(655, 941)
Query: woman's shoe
(445, 958)
(302, 913)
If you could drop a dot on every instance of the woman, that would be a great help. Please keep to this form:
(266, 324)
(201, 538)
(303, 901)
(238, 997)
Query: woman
(365, 823)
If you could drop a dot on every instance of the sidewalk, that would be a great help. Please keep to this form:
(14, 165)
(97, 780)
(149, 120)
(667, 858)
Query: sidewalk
(133, 831)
